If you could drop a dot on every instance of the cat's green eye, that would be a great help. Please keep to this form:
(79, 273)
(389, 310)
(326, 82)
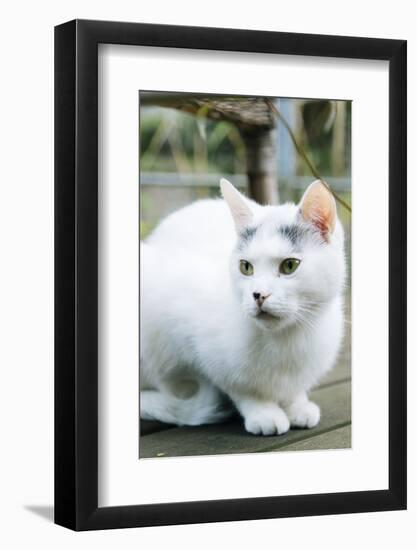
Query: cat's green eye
(246, 268)
(288, 266)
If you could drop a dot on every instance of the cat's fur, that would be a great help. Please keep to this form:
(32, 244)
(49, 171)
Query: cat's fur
(201, 336)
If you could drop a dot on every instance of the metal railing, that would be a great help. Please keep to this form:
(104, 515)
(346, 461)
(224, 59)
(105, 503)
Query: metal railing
(172, 179)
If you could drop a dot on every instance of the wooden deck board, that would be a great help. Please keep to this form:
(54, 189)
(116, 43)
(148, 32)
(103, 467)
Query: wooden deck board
(231, 438)
(152, 426)
(340, 438)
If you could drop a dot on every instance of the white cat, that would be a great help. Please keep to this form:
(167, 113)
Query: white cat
(251, 310)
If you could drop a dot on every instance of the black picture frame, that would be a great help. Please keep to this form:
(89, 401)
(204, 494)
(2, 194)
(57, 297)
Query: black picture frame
(76, 272)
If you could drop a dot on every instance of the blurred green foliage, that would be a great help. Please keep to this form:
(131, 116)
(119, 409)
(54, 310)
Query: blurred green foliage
(171, 141)
(317, 135)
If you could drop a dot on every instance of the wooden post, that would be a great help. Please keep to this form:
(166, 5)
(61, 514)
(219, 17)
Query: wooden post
(261, 164)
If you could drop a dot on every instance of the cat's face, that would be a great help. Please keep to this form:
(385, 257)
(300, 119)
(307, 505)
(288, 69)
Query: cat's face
(288, 259)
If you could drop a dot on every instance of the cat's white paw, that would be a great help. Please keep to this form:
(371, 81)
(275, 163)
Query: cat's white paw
(267, 420)
(304, 414)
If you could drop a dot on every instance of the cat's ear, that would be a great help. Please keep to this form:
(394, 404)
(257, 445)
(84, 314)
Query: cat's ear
(239, 208)
(319, 207)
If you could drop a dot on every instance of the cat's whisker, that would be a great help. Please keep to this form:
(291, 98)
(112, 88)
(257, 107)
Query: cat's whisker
(304, 321)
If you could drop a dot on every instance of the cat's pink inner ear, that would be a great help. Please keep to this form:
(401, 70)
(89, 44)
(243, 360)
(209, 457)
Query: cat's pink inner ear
(319, 207)
(238, 205)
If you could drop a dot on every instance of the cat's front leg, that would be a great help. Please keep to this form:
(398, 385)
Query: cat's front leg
(302, 412)
(262, 417)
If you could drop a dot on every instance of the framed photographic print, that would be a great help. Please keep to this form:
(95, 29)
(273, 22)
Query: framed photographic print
(230, 252)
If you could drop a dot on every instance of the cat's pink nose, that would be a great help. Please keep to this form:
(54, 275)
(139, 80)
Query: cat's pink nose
(260, 298)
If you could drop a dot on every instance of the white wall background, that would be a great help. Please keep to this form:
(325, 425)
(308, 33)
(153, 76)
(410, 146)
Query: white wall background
(26, 274)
